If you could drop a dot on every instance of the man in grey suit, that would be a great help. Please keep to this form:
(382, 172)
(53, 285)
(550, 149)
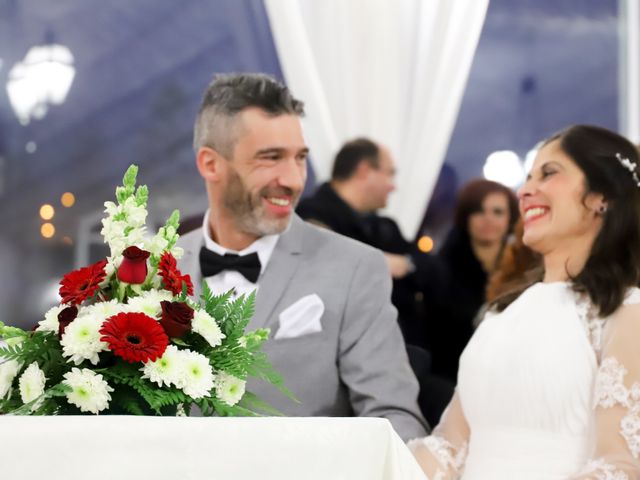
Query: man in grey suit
(326, 298)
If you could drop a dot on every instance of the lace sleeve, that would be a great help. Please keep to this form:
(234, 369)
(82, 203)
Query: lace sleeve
(442, 454)
(617, 400)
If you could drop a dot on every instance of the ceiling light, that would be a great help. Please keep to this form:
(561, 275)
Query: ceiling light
(41, 79)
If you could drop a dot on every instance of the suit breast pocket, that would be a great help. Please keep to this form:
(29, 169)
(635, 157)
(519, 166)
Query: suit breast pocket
(301, 319)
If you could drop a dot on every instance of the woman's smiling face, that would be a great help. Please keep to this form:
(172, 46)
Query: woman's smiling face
(553, 204)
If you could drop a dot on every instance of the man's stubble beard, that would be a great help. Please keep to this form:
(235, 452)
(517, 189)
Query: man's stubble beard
(248, 211)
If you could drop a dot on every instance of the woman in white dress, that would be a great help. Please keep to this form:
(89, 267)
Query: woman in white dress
(549, 385)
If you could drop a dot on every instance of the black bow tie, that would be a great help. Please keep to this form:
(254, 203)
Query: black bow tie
(212, 263)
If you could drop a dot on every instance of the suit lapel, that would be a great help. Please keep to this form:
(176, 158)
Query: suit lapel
(283, 264)
(190, 262)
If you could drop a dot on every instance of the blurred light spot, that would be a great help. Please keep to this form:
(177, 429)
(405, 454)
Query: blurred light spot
(505, 167)
(425, 244)
(67, 199)
(47, 230)
(67, 240)
(47, 212)
(31, 147)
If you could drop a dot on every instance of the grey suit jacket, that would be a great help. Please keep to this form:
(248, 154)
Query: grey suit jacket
(357, 365)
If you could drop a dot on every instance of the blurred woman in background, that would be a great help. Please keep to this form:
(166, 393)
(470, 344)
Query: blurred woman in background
(485, 215)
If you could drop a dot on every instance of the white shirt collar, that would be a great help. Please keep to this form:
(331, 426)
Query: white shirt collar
(263, 246)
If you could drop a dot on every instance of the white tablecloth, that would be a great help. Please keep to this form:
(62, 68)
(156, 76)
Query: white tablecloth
(159, 448)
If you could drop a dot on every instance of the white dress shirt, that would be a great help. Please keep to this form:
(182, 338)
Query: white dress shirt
(231, 279)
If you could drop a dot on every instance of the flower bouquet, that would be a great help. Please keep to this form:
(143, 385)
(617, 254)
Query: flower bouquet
(128, 338)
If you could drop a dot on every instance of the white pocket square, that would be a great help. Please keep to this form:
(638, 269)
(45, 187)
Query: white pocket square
(301, 318)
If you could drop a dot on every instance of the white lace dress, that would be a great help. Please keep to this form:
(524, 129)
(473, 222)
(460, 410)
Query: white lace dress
(546, 390)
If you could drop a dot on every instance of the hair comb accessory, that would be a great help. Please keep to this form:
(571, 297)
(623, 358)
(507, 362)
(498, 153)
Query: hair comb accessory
(629, 165)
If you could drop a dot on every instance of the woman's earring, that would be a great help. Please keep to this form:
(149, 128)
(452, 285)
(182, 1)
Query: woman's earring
(602, 209)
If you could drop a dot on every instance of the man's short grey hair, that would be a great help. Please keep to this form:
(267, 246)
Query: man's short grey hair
(229, 94)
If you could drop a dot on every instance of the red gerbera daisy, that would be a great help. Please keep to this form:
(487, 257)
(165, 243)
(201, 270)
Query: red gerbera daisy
(135, 337)
(77, 286)
(172, 278)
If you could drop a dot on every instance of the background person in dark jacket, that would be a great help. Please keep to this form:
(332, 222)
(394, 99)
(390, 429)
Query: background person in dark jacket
(361, 181)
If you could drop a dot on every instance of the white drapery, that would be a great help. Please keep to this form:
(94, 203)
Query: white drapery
(394, 71)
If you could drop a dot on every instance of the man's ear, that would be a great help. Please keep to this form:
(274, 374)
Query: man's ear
(362, 170)
(208, 162)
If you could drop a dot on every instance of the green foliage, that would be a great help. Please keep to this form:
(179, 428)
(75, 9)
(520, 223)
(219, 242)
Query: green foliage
(149, 396)
(44, 404)
(213, 406)
(231, 358)
(261, 368)
(8, 333)
(41, 347)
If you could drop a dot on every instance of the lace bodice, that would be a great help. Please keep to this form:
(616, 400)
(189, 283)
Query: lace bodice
(547, 390)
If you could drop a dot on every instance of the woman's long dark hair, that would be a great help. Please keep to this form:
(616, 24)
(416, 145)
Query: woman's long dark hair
(614, 262)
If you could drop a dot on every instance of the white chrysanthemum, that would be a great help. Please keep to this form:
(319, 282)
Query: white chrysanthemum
(197, 374)
(205, 325)
(50, 322)
(103, 310)
(149, 302)
(229, 389)
(166, 370)
(89, 391)
(81, 339)
(32, 383)
(8, 371)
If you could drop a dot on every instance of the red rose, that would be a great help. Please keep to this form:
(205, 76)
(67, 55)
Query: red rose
(65, 317)
(176, 318)
(133, 268)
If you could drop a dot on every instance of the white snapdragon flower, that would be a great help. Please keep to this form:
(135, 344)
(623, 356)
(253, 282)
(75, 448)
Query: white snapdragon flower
(50, 322)
(81, 339)
(156, 245)
(111, 208)
(177, 252)
(205, 325)
(197, 374)
(229, 389)
(136, 237)
(136, 214)
(110, 269)
(8, 371)
(89, 391)
(113, 229)
(31, 384)
(166, 370)
(149, 302)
